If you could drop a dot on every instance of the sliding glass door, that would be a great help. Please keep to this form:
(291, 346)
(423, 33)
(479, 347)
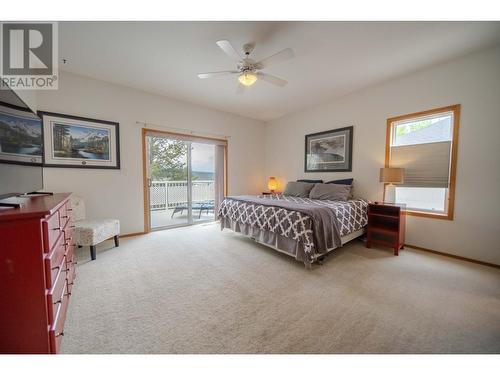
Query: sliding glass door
(181, 178)
(202, 181)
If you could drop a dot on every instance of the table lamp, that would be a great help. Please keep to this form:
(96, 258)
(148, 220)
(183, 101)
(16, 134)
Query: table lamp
(272, 184)
(391, 176)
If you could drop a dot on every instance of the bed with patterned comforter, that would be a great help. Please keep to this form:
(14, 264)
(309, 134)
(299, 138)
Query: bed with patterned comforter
(301, 227)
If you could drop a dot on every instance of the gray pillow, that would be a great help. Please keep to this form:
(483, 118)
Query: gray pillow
(298, 189)
(332, 192)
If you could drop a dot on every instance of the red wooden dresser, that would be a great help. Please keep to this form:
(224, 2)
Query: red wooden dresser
(37, 269)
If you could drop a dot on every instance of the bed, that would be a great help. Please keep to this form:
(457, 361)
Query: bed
(304, 228)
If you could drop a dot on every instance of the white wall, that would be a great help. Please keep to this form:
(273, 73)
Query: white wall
(29, 97)
(119, 193)
(473, 82)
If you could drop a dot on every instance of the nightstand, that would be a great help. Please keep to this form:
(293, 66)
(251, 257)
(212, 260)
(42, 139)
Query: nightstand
(386, 225)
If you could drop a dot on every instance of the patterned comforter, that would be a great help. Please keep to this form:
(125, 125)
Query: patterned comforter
(351, 216)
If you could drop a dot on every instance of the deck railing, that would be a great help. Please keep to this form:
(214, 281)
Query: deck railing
(164, 195)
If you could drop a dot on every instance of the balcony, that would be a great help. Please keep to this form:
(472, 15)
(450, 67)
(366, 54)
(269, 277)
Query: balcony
(169, 202)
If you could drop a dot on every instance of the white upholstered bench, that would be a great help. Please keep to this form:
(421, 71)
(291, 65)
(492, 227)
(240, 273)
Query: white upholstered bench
(92, 232)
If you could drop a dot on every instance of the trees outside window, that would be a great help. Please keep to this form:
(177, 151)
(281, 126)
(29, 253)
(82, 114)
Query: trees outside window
(168, 159)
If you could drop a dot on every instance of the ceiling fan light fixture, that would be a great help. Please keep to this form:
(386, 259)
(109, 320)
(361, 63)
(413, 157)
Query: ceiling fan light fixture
(248, 70)
(247, 79)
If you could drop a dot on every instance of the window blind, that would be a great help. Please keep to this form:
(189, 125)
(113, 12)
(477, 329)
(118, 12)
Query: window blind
(425, 164)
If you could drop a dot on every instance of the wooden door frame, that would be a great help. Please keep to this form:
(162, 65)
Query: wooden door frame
(145, 187)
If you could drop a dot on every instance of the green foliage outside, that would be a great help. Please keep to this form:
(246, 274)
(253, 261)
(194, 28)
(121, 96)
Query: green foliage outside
(408, 128)
(167, 159)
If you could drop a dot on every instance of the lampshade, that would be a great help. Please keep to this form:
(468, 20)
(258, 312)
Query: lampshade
(392, 175)
(247, 79)
(272, 184)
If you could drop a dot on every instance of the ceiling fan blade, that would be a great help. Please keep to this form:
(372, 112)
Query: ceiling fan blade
(272, 79)
(284, 55)
(216, 74)
(228, 48)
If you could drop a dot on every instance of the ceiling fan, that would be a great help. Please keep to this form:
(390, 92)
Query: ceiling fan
(247, 69)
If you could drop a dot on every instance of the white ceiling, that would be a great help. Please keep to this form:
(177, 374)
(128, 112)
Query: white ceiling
(331, 58)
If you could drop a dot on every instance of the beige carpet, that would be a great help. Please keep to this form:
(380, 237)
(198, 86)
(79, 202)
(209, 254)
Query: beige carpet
(197, 290)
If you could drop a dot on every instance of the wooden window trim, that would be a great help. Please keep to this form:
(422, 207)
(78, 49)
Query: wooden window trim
(450, 202)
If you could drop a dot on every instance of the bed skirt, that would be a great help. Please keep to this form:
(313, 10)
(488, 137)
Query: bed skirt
(291, 247)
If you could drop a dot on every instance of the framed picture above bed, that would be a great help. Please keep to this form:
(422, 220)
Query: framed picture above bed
(78, 142)
(329, 151)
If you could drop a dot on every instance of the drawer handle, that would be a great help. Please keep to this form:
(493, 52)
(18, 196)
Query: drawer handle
(56, 267)
(60, 301)
(72, 226)
(58, 228)
(65, 217)
(69, 209)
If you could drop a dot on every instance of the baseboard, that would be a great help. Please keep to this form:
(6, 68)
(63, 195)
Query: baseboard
(132, 234)
(453, 256)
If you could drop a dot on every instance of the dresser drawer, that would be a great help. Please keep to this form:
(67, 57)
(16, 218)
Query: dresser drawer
(56, 330)
(70, 266)
(70, 277)
(65, 214)
(55, 342)
(68, 233)
(70, 253)
(56, 294)
(54, 262)
(52, 229)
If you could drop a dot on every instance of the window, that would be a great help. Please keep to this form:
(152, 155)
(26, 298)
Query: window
(425, 145)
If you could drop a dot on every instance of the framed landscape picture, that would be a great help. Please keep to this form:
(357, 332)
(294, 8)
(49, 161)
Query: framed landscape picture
(329, 151)
(21, 140)
(78, 142)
